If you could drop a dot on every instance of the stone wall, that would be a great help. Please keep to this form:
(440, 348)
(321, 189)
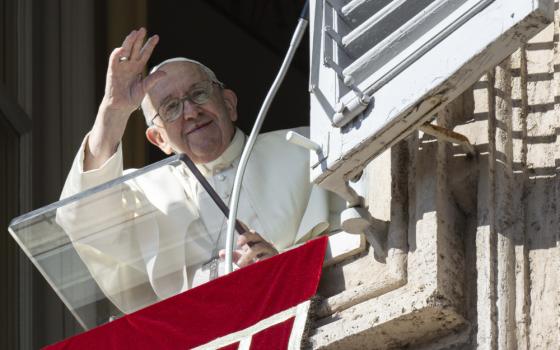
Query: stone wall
(473, 246)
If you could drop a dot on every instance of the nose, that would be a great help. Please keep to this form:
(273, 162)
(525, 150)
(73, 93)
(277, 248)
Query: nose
(190, 109)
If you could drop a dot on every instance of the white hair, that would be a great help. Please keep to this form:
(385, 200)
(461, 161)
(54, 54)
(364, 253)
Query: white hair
(209, 73)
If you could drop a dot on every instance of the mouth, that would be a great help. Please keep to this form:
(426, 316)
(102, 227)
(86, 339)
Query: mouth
(198, 127)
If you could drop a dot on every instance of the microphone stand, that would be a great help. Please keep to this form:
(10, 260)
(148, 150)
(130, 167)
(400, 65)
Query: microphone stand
(296, 40)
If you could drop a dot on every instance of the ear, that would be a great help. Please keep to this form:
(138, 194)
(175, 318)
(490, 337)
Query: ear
(157, 138)
(230, 100)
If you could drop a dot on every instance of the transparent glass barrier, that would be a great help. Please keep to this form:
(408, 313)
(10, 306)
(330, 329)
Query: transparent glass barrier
(108, 250)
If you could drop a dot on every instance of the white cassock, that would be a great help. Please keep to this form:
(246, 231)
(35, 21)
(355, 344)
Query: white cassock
(150, 238)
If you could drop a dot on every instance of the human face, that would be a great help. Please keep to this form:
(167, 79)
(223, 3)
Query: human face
(204, 131)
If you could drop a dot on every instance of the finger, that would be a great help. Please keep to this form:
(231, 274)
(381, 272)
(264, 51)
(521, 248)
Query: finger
(137, 44)
(148, 48)
(258, 251)
(247, 258)
(263, 248)
(128, 42)
(115, 55)
(262, 256)
(250, 238)
(236, 255)
(124, 50)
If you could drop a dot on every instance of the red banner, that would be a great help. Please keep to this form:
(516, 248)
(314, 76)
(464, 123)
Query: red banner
(262, 306)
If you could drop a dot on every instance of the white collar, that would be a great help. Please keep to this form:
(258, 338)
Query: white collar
(226, 159)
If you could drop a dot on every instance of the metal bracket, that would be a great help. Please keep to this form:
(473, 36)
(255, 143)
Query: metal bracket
(334, 35)
(358, 220)
(346, 79)
(355, 219)
(448, 135)
(345, 113)
(302, 141)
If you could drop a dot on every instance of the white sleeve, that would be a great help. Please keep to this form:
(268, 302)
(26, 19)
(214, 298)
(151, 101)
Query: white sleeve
(79, 180)
(315, 218)
(103, 234)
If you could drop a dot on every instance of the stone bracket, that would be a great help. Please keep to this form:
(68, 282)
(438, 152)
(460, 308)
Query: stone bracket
(358, 220)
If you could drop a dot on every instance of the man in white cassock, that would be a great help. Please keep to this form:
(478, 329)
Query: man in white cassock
(175, 245)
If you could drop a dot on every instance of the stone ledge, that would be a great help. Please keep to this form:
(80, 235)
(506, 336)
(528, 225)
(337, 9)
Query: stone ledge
(381, 323)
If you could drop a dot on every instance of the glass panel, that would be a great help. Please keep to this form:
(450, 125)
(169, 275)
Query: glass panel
(101, 250)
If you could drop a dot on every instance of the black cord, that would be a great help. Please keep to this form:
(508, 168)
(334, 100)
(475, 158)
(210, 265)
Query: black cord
(215, 197)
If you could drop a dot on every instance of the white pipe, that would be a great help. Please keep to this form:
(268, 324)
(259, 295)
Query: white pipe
(233, 204)
(302, 141)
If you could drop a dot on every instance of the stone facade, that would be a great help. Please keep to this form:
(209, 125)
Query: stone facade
(473, 245)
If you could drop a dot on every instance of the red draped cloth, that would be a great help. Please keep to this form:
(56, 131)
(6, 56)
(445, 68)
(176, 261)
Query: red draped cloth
(248, 300)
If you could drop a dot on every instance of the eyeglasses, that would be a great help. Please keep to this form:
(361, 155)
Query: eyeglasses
(172, 109)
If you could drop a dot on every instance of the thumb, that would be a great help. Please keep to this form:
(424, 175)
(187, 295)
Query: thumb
(235, 256)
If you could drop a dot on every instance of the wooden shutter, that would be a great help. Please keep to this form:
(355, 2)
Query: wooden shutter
(381, 68)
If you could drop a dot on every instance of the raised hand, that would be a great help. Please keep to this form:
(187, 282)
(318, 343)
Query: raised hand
(125, 88)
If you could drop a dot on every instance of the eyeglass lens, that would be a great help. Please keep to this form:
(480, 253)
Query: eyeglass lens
(173, 109)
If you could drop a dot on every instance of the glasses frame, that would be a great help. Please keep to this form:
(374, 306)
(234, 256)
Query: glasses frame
(188, 97)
